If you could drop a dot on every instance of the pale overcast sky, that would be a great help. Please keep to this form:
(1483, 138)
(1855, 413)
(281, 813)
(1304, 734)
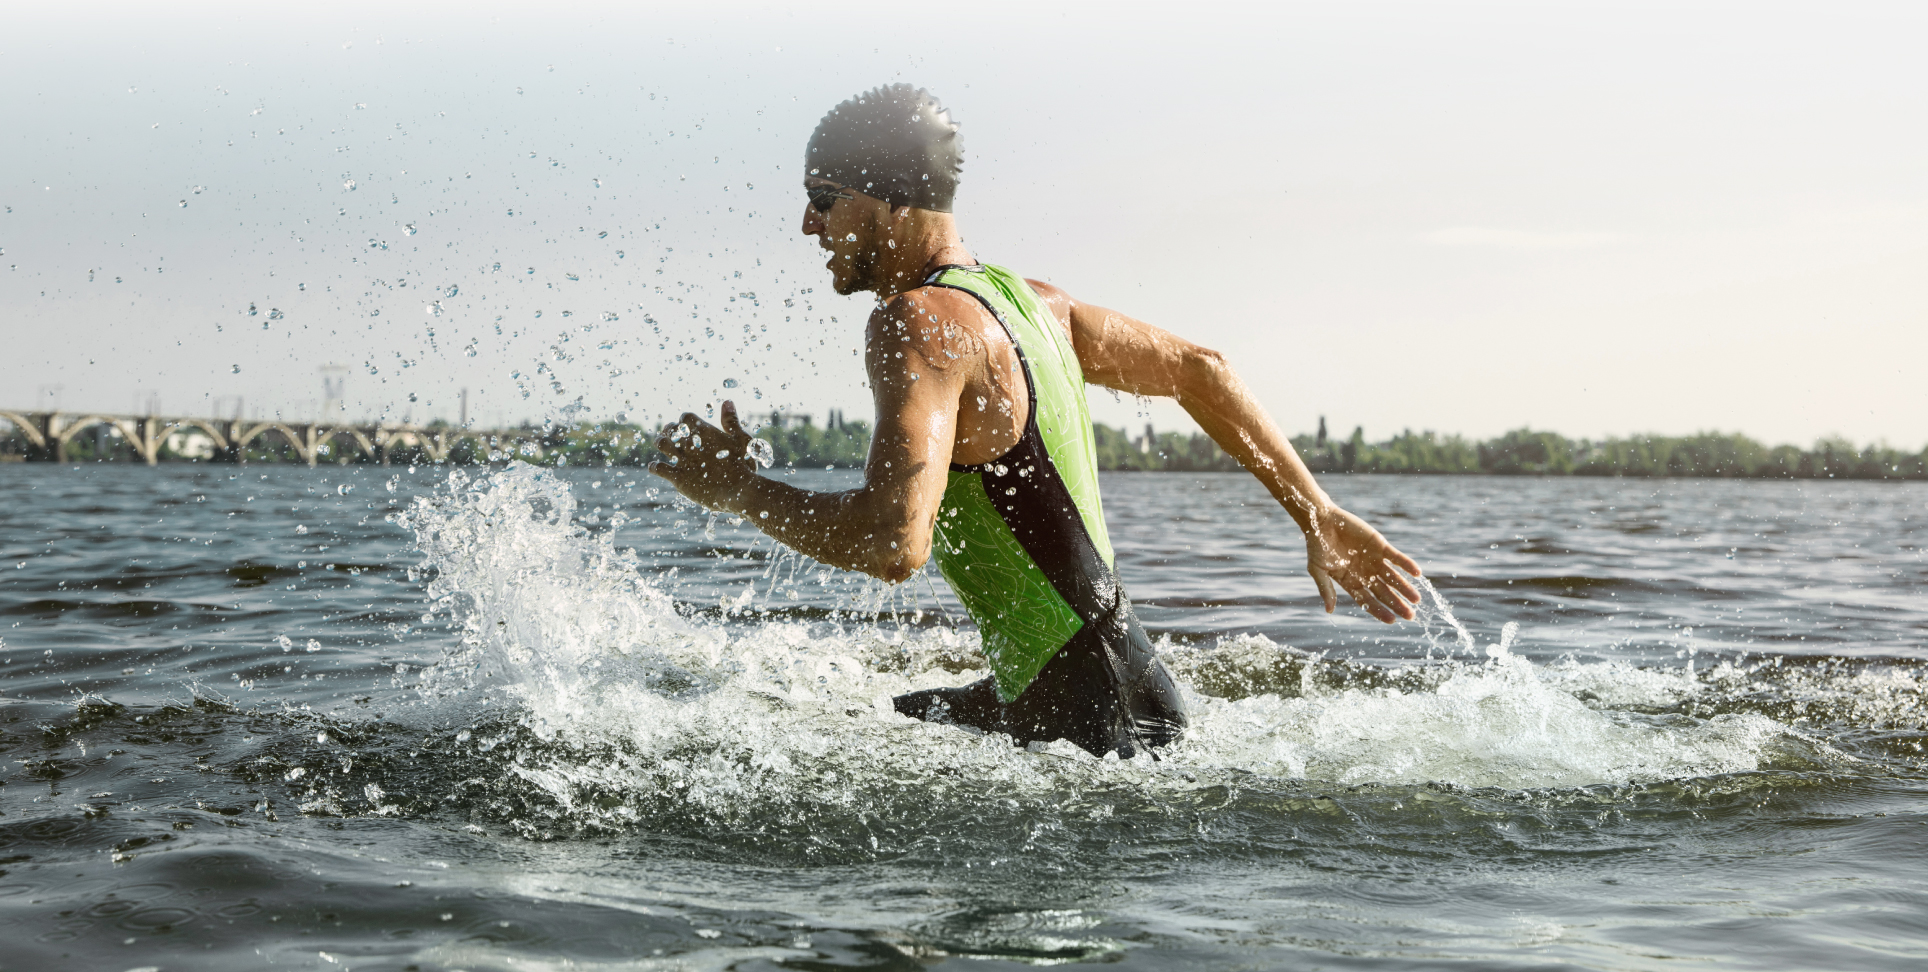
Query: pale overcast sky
(1595, 218)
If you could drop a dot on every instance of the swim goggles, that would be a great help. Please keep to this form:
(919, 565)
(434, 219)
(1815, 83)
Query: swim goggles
(824, 197)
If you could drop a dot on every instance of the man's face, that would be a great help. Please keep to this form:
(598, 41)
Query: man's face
(848, 229)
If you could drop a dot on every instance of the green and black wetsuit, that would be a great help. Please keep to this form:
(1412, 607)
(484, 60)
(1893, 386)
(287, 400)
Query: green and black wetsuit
(1022, 541)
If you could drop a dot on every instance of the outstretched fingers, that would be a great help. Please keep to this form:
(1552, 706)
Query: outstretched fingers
(1324, 582)
(1370, 600)
(1377, 594)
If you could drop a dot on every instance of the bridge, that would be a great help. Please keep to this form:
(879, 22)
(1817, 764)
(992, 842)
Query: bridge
(48, 434)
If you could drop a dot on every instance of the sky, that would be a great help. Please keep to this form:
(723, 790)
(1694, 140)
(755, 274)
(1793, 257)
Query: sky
(1599, 219)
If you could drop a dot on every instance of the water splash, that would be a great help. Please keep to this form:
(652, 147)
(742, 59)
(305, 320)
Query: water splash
(631, 702)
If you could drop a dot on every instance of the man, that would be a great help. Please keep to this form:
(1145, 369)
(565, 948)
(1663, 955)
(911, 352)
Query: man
(983, 451)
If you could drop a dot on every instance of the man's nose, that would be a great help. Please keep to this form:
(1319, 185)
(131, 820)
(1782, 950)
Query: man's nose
(812, 221)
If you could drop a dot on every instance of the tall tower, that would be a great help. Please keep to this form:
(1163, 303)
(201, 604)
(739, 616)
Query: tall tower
(333, 378)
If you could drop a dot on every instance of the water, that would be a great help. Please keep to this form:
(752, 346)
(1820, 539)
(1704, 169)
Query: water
(550, 721)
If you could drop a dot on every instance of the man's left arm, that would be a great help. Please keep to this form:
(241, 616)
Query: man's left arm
(1121, 352)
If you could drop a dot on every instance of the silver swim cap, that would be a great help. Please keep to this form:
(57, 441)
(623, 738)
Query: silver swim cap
(895, 143)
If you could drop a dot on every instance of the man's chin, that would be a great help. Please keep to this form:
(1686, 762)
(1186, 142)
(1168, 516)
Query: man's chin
(847, 285)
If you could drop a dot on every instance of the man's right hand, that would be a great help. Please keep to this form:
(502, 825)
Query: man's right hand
(707, 463)
(1343, 550)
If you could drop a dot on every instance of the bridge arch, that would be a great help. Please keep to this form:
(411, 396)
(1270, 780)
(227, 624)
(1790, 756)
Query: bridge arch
(478, 440)
(173, 425)
(128, 430)
(353, 436)
(27, 428)
(294, 440)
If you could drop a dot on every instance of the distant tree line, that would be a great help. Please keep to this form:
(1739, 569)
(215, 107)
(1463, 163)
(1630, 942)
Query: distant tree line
(797, 441)
(1524, 452)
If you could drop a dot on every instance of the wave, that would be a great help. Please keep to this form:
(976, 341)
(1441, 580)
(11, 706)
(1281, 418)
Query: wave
(623, 702)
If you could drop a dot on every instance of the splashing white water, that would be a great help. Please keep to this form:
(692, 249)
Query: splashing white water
(738, 716)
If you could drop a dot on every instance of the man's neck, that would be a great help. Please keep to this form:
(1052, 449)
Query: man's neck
(925, 241)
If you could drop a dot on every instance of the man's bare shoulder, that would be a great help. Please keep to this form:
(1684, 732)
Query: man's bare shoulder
(1056, 299)
(943, 326)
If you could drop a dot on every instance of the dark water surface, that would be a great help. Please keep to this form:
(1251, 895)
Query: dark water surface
(247, 720)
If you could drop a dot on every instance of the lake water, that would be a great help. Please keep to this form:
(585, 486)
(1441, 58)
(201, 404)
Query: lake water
(274, 717)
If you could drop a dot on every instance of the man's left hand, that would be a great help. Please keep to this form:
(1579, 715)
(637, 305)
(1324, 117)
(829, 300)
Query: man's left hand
(708, 464)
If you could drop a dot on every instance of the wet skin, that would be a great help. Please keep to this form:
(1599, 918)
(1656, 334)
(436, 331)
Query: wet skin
(948, 388)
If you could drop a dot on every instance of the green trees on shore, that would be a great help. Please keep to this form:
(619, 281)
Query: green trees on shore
(1524, 452)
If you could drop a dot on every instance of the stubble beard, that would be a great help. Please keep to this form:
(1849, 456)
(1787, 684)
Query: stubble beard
(862, 268)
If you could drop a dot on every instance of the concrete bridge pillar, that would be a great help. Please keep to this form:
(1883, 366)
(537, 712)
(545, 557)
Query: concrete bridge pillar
(49, 447)
(308, 446)
(150, 440)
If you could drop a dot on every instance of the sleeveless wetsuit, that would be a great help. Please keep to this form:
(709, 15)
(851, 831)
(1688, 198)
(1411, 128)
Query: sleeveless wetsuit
(1022, 541)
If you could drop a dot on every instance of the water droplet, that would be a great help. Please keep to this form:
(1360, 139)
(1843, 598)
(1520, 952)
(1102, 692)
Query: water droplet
(434, 309)
(451, 291)
(729, 382)
(251, 310)
(408, 228)
(532, 270)
(568, 313)
(760, 450)
(603, 235)
(609, 315)
(850, 237)
(301, 286)
(619, 254)
(236, 369)
(538, 315)
(572, 276)
(377, 312)
(183, 204)
(598, 183)
(198, 190)
(359, 105)
(349, 185)
(274, 313)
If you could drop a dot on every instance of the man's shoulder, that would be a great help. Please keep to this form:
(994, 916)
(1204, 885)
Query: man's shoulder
(931, 298)
(930, 307)
(941, 325)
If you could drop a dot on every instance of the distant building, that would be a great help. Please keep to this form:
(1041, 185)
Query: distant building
(190, 444)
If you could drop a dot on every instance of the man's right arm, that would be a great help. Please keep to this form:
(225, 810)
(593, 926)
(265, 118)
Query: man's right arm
(883, 527)
(1130, 355)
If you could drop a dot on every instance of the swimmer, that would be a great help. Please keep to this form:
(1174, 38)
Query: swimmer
(983, 454)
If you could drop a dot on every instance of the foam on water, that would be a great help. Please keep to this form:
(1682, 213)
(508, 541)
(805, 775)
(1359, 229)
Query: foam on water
(638, 705)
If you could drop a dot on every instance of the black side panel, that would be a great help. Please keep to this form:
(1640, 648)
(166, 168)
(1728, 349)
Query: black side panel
(1106, 691)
